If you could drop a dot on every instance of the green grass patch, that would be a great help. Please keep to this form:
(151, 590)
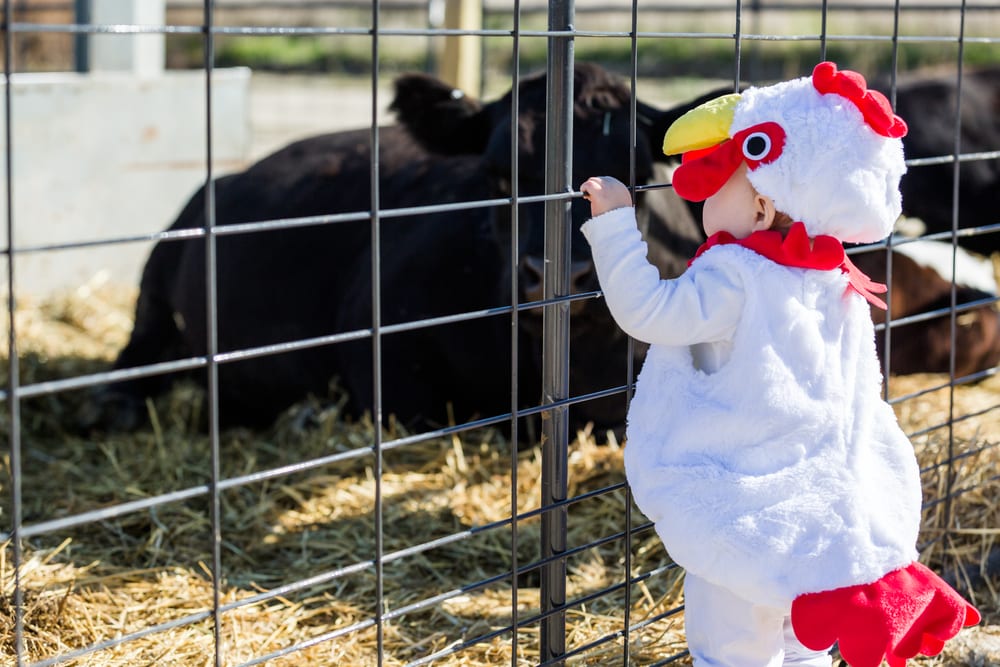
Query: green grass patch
(311, 54)
(761, 60)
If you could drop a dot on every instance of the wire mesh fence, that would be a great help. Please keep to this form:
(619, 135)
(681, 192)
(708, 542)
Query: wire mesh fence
(368, 404)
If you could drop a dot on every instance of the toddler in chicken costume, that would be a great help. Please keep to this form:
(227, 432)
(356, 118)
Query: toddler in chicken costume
(758, 441)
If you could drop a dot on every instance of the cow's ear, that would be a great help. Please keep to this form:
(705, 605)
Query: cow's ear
(655, 121)
(440, 117)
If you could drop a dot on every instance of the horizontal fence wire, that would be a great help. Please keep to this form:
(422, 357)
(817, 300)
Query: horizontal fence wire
(309, 6)
(382, 444)
(247, 31)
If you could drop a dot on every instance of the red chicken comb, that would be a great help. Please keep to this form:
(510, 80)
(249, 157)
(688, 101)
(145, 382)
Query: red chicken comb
(872, 104)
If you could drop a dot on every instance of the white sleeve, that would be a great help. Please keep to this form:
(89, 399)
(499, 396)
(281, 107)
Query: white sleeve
(700, 306)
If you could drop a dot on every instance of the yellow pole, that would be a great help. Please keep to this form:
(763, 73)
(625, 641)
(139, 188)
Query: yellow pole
(462, 58)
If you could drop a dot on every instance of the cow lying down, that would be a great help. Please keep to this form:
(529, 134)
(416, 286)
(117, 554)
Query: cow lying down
(294, 304)
(313, 282)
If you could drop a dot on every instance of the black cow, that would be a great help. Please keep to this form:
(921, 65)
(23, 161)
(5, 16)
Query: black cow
(928, 103)
(283, 285)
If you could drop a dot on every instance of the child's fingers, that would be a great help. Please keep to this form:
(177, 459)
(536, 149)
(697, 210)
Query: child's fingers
(605, 193)
(591, 186)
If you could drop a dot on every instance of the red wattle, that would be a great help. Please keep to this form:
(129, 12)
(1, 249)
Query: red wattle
(702, 175)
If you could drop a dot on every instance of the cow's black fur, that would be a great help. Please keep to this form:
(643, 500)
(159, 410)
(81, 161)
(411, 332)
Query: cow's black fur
(281, 286)
(928, 104)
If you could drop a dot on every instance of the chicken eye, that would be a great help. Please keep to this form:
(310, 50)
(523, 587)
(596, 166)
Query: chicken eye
(756, 146)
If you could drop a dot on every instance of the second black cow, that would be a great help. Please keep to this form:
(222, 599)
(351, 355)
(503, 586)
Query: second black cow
(931, 102)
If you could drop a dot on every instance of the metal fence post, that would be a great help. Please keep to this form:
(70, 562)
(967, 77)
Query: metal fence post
(555, 379)
(13, 407)
(81, 41)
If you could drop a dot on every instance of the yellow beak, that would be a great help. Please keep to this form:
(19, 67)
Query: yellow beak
(702, 127)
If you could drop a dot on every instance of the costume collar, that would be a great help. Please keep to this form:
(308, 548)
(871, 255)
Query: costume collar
(796, 249)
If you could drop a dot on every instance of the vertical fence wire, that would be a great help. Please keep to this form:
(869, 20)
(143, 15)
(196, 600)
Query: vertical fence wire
(630, 345)
(376, 338)
(515, 325)
(81, 40)
(13, 377)
(823, 16)
(212, 333)
(738, 44)
(887, 331)
(953, 315)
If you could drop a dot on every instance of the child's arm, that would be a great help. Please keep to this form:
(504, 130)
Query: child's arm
(700, 306)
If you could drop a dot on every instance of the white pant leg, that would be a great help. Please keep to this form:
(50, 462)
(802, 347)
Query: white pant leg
(725, 630)
(800, 656)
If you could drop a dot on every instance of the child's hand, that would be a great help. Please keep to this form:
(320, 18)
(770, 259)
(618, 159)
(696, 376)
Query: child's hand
(605, 193)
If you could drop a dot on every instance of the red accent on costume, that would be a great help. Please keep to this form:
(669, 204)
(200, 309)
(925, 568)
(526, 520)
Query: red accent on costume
(703, 172)
(906, 612)
(864, 285)
(872, 104)
(700, 177)
(696, 154)
(824, 253)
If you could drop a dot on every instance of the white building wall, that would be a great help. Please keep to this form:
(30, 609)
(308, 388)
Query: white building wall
(105, 155)
(141, 53)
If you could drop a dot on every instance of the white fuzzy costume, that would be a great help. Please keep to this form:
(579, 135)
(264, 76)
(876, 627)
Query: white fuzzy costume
(757, 440)
(782, 471)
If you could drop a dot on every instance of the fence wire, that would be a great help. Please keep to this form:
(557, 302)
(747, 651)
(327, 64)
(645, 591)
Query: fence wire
(536, 635)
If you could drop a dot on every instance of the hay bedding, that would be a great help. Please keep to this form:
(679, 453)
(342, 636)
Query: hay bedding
(108, 579)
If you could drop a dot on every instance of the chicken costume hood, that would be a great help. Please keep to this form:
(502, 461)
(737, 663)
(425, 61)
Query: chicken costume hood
(782, 475)
(824, 148)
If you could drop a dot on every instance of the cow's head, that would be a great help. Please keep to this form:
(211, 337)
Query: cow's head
(446, 121)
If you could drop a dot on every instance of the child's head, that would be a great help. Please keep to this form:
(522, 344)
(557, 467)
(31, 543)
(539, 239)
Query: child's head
(824, 149)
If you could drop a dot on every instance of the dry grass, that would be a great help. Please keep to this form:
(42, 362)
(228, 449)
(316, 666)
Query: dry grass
(111, 578)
